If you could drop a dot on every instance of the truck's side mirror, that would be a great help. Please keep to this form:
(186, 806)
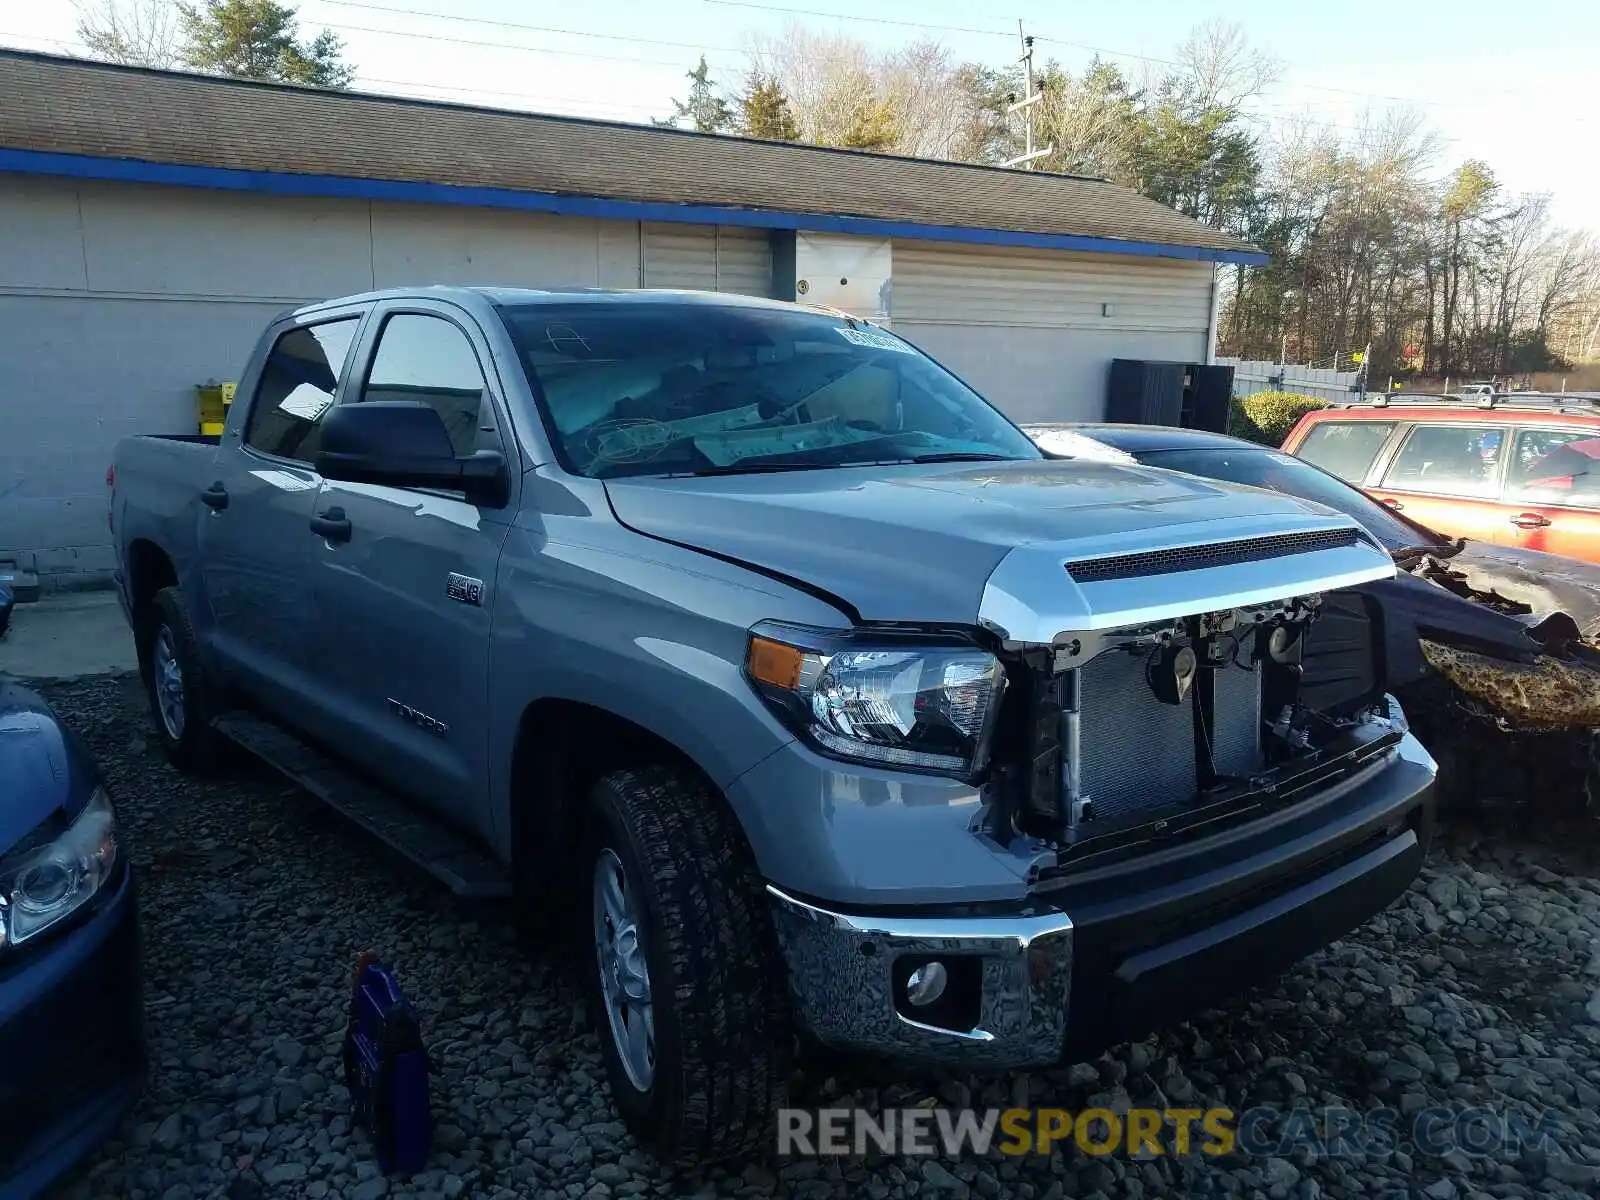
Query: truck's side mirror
(404, 443)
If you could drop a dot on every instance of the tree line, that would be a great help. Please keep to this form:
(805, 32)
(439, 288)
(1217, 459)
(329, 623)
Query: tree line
(1374, 240)
(245, 39)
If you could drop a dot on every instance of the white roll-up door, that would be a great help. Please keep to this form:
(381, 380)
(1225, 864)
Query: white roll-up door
(1035, 330)
(711, 258)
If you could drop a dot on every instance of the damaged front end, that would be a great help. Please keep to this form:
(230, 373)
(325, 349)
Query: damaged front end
(1507, 697)
(1174, 691)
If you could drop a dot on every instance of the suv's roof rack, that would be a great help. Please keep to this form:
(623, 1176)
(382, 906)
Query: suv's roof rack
(1582, 403)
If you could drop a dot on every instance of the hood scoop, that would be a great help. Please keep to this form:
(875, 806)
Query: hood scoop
(1045, 593)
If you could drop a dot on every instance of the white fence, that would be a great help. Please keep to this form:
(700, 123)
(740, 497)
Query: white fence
(1250, 376)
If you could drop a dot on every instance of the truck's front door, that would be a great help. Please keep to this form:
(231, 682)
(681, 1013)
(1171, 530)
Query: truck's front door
(402, 589)
(257, 503)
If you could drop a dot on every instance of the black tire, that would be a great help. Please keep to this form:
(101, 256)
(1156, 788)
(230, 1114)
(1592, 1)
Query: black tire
(724, 1040)
(196, 747)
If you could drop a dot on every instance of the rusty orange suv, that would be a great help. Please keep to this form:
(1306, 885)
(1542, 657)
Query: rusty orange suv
(1512, 470)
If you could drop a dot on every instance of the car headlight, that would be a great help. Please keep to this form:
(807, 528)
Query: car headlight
(897, 704)
(49, 884)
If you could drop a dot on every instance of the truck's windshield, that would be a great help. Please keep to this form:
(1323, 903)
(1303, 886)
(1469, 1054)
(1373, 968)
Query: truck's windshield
(650, 388)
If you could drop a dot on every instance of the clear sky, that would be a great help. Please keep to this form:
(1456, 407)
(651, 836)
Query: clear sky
(1516, 84)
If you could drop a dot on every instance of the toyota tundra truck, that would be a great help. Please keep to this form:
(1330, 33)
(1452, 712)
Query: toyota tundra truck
(747, 644)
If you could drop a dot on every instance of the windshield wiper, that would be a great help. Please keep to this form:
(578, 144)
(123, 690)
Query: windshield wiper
(753, 468)
(963, 456)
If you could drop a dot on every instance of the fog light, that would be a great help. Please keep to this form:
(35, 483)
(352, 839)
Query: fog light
(927, 984)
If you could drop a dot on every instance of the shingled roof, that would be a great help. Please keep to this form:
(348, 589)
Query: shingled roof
(70, 116)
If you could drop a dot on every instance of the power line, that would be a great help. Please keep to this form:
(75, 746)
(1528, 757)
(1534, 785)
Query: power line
(80, 50)
(562, 53)
(1059, 41)
(470, 91)
(583, 33)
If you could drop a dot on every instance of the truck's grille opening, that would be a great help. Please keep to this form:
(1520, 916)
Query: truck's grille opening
(1138, 753)
(1220, 554)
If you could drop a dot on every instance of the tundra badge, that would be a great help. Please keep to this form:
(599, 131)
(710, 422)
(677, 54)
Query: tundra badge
(464, 588)
(417, 717)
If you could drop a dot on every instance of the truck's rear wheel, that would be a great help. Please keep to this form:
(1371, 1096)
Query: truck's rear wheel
(687, 986)
(181, 699)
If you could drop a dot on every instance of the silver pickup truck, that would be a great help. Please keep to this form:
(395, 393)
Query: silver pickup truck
(748, 643)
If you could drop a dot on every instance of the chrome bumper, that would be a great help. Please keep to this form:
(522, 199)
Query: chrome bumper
(842, 975)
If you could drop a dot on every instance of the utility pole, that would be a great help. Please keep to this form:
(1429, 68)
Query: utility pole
(1025, 106)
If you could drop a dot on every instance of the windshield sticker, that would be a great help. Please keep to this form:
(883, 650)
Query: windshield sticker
(875, 340)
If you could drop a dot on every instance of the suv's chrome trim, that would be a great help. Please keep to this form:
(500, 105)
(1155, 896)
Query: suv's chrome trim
(1031, 599)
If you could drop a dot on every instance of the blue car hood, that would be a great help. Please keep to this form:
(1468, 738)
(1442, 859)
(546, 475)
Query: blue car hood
(41, 768)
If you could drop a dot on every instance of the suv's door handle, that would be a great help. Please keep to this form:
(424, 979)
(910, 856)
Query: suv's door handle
(215, 496)
(332, 524)
(1530, 521)
(1394, 504)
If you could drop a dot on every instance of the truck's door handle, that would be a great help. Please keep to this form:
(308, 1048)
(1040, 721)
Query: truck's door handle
(1394, 504)
(1530, 521)
(332, 524)
(215, 496)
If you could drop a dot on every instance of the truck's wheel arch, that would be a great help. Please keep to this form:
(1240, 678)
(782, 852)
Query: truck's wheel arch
(149, 569)
(562, 748)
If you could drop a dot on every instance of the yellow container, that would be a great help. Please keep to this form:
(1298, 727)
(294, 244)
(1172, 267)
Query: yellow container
(212, 400)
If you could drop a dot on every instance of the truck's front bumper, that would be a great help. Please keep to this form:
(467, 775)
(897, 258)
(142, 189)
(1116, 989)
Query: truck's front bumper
(1118, 952)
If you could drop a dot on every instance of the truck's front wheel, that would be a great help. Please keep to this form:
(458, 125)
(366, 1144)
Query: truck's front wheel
(180, 696)
(688, 990)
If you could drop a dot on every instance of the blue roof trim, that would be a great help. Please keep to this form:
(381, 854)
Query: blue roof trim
(280, 183)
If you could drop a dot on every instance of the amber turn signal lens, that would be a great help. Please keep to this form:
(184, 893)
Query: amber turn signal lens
(774, 663)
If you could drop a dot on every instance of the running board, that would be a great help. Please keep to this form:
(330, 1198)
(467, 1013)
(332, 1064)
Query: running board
(462, 866)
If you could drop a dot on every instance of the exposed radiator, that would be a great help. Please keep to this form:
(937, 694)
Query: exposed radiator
(1136, 752)
(1236, 741)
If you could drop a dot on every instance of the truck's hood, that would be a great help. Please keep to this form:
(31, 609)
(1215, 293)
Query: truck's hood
(920, 543)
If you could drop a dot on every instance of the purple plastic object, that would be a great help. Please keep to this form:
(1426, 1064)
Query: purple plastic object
(386, 1069)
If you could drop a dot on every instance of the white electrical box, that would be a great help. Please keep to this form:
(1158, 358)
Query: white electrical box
(854, 274)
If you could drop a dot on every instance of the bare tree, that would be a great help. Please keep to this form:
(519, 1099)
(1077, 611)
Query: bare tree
(828, 79)
(933, 109)
(1222, 68)
(138, 33)
(911, 101)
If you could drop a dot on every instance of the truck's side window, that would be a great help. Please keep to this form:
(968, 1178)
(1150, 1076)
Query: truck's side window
(430, 359)
(297, 386)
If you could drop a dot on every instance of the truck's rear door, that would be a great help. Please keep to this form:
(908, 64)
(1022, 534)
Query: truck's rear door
(402, 584)
(255, 542)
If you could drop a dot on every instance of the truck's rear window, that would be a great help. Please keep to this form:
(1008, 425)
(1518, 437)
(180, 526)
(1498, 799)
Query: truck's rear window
(1345, 448)
(648, 388)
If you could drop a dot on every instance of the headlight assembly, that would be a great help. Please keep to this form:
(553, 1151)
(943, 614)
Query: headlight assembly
(49, 884)
(900, 704)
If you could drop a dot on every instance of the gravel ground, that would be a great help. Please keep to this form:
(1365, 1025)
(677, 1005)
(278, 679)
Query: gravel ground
(1481, 987)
